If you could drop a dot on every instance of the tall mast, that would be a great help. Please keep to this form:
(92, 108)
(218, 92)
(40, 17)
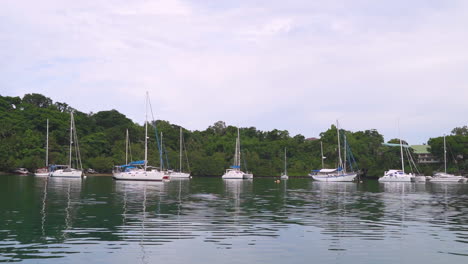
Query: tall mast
(445, 156)
(401, 149)
(339, 147)
(345, 157)
(235, 153)
(180, 154)
(238, 149)
(146, 132)
(285, 166)
(161, 153)
(321, 151)
(180, 151)
(126, 148)
(71, 137)
(47, 145)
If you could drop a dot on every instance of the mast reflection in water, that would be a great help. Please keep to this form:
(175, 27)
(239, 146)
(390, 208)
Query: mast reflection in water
(55, 220)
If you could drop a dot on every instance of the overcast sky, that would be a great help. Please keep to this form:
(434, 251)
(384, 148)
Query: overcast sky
(294, 65)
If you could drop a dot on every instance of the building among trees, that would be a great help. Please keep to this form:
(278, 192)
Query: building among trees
(423, 154)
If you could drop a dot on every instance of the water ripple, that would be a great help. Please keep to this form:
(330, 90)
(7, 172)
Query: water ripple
(62, 218)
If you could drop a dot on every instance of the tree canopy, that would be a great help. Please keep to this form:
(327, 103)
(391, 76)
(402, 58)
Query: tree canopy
(210, 152)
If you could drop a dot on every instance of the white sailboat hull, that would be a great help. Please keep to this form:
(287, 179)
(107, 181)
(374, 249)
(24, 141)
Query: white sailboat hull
(180, 175)
(248, 176)
(67, 173)
(233, 174)
(284, 177)
(140, 175)
(445, 177)
(348, 177)
(419, 178)
(447, 180)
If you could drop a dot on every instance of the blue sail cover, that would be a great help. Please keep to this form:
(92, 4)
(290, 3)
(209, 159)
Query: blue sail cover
(138, 162)
(235, 167)
(132, 164)
(53, 167)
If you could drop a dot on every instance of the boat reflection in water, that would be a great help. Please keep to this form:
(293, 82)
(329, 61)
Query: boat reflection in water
(339, 187)
(397, 187)
(59, 207)
(209, 219)
(234, 187)
(233, 190)
(152, 212)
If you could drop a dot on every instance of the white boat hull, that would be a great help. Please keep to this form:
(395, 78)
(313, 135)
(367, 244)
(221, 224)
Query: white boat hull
(419, 178)
(233, 174)
(248, 176)
(180, 175)
(140, 175)
(349, 177)
(396, 176)
(67, 173)
(21, 171)
(447, 178)
(284, 177)
(42, 174)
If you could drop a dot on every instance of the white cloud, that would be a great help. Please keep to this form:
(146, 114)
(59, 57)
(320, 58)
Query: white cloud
(273, 27)
(154, 7)
(295, 66)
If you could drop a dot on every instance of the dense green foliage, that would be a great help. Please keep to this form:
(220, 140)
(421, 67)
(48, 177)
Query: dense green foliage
(210, 152)
(457, 151)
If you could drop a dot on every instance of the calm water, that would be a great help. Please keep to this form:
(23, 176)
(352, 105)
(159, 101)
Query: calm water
(208, 220)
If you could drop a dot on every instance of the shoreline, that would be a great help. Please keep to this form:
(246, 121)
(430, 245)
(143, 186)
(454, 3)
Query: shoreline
(198, 176)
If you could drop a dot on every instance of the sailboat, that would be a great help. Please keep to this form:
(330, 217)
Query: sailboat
(444, 176)
(334, 175)
(67, 170)
(127, 166)
(44, 171)
(397, 175)
(235, 172)
(180, 173)
(140, 170)
(285, 176)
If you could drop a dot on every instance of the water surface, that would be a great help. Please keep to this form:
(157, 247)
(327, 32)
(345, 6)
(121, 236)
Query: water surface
(208, 220)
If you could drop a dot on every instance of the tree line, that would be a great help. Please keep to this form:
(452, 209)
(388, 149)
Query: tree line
(209, 152)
